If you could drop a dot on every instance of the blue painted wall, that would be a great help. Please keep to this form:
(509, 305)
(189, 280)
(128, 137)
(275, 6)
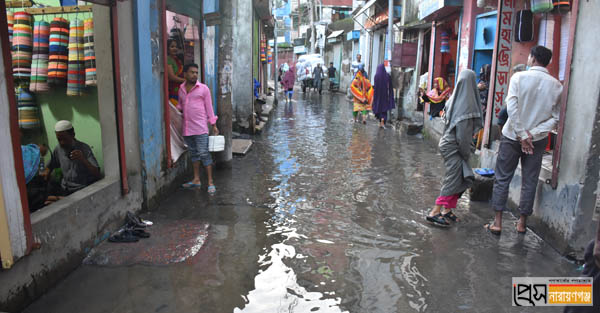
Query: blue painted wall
(149, 85)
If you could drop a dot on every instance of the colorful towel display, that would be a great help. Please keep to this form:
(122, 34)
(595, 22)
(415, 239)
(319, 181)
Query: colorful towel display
(22, 45)
(29, 116)
(90, 55)
(76, 64)
(58, 50)
(10, 19)
(39, 65)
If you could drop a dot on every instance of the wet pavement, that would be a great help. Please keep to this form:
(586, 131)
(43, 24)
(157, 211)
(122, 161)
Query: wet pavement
(323, 215)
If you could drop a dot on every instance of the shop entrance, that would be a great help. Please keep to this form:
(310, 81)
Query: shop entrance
(485, 32)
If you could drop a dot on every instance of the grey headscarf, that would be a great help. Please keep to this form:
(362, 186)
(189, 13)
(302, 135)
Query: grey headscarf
(464, 103)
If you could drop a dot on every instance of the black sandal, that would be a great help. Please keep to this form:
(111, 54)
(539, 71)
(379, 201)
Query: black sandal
(124, 236)
(451, 216)
(437, 220)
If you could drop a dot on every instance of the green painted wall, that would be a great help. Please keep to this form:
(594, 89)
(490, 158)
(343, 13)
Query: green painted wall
(81, 111)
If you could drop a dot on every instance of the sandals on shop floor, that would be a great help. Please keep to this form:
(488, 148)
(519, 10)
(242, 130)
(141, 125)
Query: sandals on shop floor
(437, 220)
(451, 216)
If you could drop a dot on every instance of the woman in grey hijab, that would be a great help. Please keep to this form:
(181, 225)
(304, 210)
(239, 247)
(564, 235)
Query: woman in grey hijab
(463, 120)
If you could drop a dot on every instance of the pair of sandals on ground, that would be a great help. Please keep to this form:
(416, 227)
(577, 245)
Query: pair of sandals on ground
(133, 230)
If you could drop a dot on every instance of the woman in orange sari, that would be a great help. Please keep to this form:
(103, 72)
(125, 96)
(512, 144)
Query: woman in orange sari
(363, 95)
(437, 97)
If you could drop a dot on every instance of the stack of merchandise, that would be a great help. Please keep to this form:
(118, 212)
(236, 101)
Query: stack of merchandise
(29, 117)
(445, 46)
(10, 19)
(57, 61)
(76, 68)
(22, 45)
(39, 67)
(90, 55)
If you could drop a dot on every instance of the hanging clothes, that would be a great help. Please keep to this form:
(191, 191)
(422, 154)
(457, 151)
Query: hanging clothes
(89, 53)
(22, 47)
(39, 65)
(58, 51)
(76, 65)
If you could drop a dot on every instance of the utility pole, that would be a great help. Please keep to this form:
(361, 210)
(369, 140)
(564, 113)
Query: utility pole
(390, 36)
(313, 33)
(275, 100)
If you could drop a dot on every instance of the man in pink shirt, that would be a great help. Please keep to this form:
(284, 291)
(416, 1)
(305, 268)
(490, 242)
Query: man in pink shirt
(195, 103)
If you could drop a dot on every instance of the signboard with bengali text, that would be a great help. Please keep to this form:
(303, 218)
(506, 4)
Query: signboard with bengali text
(503, 55)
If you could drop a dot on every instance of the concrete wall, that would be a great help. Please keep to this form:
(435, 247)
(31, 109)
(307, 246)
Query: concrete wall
(67, 229)
(242, 92)
(157, 178)
(8, 178)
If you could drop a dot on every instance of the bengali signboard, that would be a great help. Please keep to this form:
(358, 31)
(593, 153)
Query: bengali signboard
(503, 55)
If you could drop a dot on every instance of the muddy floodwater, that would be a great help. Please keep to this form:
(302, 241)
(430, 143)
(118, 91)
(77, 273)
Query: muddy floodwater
(322, 215)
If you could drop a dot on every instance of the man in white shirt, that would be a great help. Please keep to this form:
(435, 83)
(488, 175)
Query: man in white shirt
(356, 65)
(532, 105)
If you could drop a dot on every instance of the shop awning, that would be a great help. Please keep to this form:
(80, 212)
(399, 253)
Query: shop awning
(436, 9)
(191, 8)
(335, 34)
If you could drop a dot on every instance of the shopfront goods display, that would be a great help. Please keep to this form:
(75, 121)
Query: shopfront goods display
(76, 63)
(10, 19)
(57, 60)
(22, 47)
(39, 66)
(524, 26)
(29, 115)
(541, 6)
(90, 55)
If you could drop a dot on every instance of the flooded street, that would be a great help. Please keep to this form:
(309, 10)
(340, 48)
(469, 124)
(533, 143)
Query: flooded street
(323, 215)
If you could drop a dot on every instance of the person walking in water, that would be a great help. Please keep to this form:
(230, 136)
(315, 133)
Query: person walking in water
(196, 104)
(463, 119)
(363, 95)
(288, 83)
(383, 99)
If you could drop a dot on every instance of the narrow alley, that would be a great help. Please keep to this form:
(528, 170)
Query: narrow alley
(323, 215)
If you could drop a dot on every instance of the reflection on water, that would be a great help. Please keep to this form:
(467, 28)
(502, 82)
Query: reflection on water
(346, 233)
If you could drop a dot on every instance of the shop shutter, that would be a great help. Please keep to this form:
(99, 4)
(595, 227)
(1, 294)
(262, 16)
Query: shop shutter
(405, 55)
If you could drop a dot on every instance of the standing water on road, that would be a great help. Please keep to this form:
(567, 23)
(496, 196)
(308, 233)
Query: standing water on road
(323, 215)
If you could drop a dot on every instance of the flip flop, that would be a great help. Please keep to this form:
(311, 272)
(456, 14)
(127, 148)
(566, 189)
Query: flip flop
(124, 236)
(191, 185)
(520, 232)
(488, 227)
(437, 220)
(212, 190)
(450, 215)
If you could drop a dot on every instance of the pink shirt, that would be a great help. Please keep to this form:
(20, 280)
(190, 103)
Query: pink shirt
(197, 109)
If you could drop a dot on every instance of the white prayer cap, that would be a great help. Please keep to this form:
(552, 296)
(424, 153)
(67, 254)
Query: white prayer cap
(62, 126)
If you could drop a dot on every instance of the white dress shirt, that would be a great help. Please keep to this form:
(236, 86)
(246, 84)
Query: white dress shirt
(532, 104)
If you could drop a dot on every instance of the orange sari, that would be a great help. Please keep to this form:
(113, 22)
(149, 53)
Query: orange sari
(363, 92)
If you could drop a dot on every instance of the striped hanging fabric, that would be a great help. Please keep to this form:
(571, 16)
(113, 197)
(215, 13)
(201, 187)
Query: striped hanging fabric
(58, 51)
(90, 55)
(29, 116)
(39, 66)
(76, 69)
(22, 45)
(10, 19)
